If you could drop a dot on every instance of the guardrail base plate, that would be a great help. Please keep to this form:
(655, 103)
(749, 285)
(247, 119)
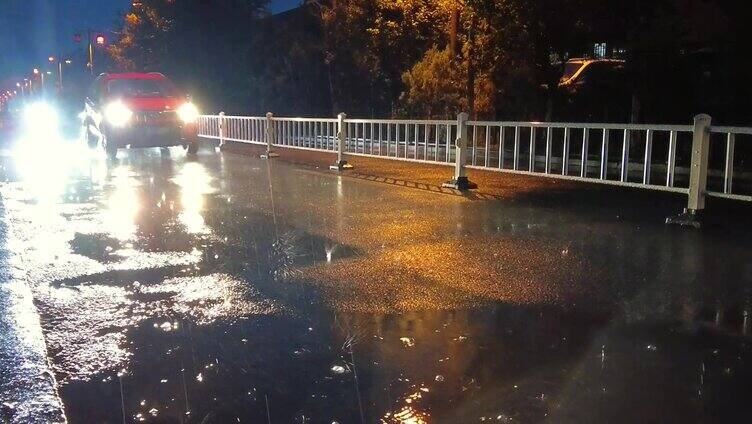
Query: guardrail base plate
(461, 184)
(341, 166)
(688, 218)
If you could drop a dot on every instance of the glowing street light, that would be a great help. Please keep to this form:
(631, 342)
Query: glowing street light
(60, 62)
(41, 75)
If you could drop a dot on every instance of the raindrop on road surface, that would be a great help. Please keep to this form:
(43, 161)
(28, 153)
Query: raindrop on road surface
(338, 369)
(407, 341)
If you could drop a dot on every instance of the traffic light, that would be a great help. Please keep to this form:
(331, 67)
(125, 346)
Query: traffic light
(100, 40)
(76, 38)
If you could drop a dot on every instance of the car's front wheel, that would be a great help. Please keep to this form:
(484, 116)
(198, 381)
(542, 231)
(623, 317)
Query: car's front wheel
(192, 148)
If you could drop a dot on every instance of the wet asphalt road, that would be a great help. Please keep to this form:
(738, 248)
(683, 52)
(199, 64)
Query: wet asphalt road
(229, 289)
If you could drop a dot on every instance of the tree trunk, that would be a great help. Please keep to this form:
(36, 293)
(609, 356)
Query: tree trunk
(634, 117)
(471, 69)
(454, 23)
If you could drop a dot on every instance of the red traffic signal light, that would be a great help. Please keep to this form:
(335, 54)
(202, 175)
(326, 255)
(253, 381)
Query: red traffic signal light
(100, 40)
(77, 38)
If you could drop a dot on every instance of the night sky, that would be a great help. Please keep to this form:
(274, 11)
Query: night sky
(31, 30)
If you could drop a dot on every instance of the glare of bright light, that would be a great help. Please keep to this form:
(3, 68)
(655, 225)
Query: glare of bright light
(188, 112)
(117, 113)
(122, 205)
(40, 121)
(44, 159)
(194, 184)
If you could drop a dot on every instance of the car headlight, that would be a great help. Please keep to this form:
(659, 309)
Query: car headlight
(188, 112)
(40, 115)
(117, 114)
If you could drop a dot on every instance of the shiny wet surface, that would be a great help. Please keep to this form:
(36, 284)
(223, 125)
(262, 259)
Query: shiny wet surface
(230, 289)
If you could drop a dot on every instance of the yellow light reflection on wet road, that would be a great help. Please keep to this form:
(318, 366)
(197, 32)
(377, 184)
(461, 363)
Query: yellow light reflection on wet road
(122, 205)
(194, 183)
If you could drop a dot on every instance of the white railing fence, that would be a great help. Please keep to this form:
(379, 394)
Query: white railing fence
(675, 158)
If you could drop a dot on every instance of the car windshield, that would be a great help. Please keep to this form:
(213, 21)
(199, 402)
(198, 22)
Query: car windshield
(570, 68)
(140, 88)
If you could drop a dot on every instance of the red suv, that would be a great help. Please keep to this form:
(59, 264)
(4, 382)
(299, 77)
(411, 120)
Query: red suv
(138, 110)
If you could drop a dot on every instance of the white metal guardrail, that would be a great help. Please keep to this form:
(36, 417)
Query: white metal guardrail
(673, 158)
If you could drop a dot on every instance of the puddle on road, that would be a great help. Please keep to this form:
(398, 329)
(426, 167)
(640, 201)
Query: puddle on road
(174, 293)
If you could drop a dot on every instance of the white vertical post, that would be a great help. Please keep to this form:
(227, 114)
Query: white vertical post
(516, 152)
(625, 157)
(671, 162)
(549, 145)
(698, 174)
(604, 155)
(584, 153)
(648, 157)
(269, 136)
(221, 129)
(341, 163)
(531, 166)
(728, 172)
(460, 181)
(565, 152)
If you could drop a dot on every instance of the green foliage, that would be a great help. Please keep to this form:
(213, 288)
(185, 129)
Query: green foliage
(436, 88)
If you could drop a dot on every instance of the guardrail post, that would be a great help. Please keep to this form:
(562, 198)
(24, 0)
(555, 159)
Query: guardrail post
(698, 174)
(460, 181)
(341, 163)
(269, 136)
(221, 129)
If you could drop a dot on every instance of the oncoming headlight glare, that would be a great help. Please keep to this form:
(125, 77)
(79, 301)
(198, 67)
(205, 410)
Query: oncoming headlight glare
(40, 115)
(188, 112)
(117, 114)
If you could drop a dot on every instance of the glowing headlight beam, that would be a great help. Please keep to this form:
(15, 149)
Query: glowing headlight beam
(40, 122)
(188, 113)
(40, 114)
(117, 114)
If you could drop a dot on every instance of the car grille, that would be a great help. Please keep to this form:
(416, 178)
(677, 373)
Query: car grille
(157, 117)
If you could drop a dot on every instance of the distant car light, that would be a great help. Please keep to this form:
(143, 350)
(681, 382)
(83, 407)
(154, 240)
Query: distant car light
(117, 114)
(188, 112)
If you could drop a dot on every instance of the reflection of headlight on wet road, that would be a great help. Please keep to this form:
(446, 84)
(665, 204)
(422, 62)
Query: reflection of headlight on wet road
(117, 114)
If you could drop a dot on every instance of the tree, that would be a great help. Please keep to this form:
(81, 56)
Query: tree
(201, 43)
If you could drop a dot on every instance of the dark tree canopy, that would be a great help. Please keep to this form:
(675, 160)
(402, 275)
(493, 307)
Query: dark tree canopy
(387, 58)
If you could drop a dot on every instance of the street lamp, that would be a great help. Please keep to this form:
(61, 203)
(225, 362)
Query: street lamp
(60, 62)
(99, 40)
(41, 75)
